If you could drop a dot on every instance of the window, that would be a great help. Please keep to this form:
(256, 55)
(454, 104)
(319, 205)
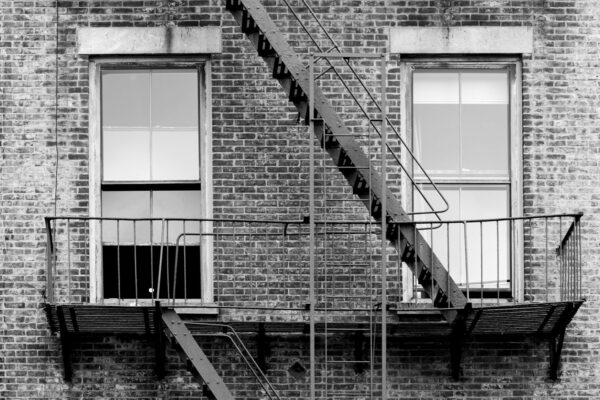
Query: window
(464, 130)
(152, 163)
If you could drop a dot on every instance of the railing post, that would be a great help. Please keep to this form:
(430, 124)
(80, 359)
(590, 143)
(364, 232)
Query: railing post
(384, 229)
(311, 200)
(50, 258)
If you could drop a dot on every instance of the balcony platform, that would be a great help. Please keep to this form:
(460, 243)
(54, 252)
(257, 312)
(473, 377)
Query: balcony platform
(543, 320)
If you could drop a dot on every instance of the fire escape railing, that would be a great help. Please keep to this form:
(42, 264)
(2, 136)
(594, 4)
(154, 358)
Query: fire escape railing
(259, 264)
(488, 257)
(227, 332)
(373, 122)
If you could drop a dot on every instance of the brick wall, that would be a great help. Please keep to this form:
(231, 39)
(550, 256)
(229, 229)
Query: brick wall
(260, 161)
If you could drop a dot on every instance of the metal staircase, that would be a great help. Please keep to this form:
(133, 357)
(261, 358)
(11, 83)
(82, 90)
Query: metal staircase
(192, 355)
(184, 341)
(334, 136)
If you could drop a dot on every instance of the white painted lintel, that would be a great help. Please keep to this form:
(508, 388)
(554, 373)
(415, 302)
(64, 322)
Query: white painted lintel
(157, 40)
(461, 40)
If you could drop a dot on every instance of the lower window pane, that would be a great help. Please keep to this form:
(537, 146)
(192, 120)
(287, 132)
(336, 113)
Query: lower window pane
(126, 204)
(176, 204)
(488, 239)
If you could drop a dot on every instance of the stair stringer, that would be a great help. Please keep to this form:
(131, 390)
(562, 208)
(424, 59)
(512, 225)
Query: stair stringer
(347, 152)
(192, 355)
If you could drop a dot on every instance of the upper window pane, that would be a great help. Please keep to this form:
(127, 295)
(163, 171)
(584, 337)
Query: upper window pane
(461, 122)
(485, 144)
(437, 137)
(174, 98)
(484, 87)
(126, 155)
(435, 87)
(150, 125)
(175, 155)
(125, 98)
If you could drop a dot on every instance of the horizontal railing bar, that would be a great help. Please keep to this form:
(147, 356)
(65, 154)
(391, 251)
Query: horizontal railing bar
(301, 222)
(266, 221)
(462, 221)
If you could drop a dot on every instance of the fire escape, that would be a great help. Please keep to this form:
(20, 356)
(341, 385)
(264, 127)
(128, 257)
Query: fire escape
(442, 308)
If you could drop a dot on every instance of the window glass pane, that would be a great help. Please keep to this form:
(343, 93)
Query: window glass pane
(437, 139)
(484, 87)
(485, 146)
(126, 155)
(126, 204)
(446, 239)
(435, 87)
(175, 155)
(487, 202)
(175, 98)
(450, 193)
(177, 204)
(472, 202)
(481, 201)
(126, 98)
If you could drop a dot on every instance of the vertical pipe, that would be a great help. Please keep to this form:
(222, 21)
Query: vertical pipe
(135, 270)
(311, 200)
(384, 229)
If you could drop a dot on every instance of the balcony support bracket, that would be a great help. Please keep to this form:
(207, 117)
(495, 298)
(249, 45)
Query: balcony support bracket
(555, 346)
(65, 343)
(263, 348)
(359, 353)
(457, 340)
(159, 342)
(555, 342)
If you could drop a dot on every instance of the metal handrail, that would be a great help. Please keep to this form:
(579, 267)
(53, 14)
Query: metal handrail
(414, 159)
(241, 348)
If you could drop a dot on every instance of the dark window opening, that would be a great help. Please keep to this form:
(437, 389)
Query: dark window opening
(123, 261)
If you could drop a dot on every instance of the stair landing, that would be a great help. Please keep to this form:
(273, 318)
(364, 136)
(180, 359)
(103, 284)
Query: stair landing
(533, 319)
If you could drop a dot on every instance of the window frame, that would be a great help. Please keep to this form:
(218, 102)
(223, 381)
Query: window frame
(513, 65)
(204, 184)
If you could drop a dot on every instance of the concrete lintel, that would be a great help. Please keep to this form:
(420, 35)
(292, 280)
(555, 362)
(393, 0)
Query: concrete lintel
(461, 40)
(160, 40)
